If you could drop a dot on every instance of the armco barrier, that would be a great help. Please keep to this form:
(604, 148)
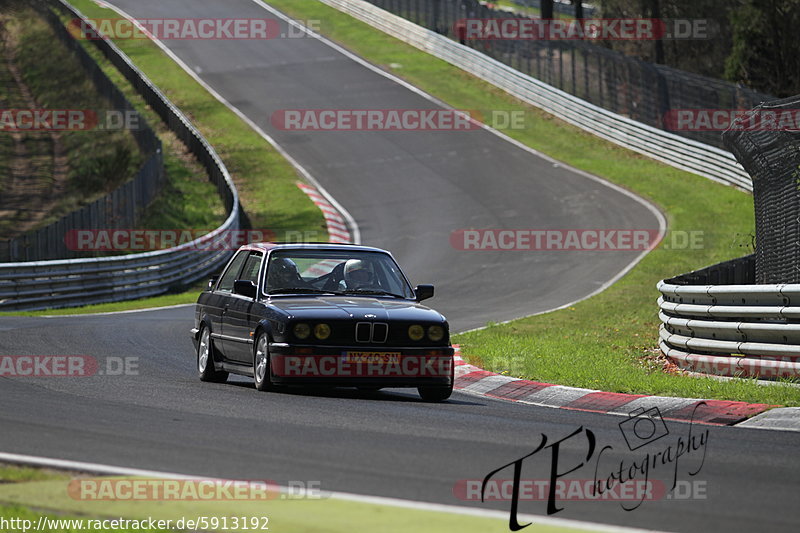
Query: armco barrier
(122, 207)
(714, 322)
(63, 283)
(679, 152)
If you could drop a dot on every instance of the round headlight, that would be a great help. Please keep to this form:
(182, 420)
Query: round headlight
(436, 333)
(301, 330)
(322, 331)
(416, 332)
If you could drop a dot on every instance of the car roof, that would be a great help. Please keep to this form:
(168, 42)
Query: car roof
(270, 246)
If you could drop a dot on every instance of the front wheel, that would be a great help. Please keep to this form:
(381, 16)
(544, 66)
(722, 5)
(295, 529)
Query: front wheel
(205, 360)
(262, 373)
(435, 394)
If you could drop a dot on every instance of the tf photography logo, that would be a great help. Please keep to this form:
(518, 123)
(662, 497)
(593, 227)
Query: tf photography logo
(625, 475)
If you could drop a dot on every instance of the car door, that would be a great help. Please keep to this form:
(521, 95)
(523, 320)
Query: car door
(222, 298)
(240, 319)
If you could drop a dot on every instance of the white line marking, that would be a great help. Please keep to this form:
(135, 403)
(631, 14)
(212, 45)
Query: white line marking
(488, 383)
(118, 312)
(664, 403)
(337, 226)
(305, 173)
(96, 468)
(556, 395)
(780, 419)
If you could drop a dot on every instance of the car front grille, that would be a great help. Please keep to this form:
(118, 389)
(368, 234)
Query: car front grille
(372, 332)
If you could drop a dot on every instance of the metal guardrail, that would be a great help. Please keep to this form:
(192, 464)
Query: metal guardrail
(736, 330)
(72, 282)
(679, 152)
(714, 320)
(122, 207)
(649, 93)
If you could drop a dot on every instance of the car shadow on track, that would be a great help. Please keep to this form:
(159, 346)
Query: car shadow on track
(386, 395)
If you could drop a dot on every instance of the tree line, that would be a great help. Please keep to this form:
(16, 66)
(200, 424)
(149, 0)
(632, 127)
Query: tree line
(751, 42)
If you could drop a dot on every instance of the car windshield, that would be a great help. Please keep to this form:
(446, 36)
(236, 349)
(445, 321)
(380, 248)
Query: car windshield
(350, 272)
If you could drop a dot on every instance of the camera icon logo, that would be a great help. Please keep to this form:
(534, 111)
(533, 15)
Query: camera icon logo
(643, 427)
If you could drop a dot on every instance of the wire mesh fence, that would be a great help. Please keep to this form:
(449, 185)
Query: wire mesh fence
(772, 158)
(122, 207)
(89, 280)
(642, 91)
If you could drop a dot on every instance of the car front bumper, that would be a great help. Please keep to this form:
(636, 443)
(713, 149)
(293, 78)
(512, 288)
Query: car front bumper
(362, 366)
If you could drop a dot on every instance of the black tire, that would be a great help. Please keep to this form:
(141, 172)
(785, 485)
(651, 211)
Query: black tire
(206, 370)
(262, 375)
(435, 394)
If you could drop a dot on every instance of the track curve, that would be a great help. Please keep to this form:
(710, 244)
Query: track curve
(407, 192)
(387, 443)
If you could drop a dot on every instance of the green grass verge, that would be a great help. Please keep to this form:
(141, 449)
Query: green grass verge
(265, 180)
(48, 496)
(188, 199)
(17, 474)
(56, 80)
(608, 342)
(13, 478)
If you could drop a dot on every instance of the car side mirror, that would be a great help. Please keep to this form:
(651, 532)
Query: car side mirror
(245, 287)
(212, 281)
(423, 292)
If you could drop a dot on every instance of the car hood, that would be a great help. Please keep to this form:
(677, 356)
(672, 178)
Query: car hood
(359, 308)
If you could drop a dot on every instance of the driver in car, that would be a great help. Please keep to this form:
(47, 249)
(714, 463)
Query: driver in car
(283, 274)
(358, 275)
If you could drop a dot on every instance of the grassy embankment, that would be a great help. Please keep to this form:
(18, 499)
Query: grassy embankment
(265, 180)
(30, 493)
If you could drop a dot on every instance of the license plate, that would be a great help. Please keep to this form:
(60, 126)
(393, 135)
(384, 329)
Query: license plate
(372, 357)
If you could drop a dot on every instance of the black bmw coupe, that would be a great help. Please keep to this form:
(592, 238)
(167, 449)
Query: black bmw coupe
(321, 315)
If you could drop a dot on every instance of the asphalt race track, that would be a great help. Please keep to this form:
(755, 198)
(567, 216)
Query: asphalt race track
(407, 191)
(386, 443)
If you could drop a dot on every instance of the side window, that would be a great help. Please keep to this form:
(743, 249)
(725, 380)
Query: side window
(251, 267)
(230, 275)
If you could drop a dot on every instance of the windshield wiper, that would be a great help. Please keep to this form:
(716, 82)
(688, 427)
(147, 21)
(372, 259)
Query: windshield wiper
(304, 290)
(372, 291)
